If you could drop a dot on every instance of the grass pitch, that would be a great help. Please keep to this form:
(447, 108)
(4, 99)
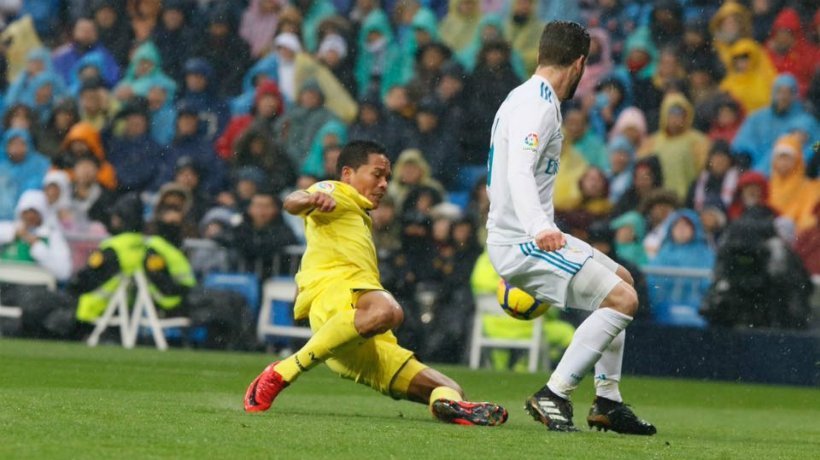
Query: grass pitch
(60, 400)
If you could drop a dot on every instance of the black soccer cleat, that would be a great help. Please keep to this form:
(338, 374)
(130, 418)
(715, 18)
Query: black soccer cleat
(550, 409)
(608, 415)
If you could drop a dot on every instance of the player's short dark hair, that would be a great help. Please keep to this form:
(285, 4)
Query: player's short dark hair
(562, 42)
(357, 153)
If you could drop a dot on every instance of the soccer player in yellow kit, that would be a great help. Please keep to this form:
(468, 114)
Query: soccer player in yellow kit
(350, 313)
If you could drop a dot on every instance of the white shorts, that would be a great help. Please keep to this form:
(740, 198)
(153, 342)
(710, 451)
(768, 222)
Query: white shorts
(575, 276)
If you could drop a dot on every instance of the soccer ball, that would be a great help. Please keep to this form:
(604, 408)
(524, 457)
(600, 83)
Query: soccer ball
(518, 303)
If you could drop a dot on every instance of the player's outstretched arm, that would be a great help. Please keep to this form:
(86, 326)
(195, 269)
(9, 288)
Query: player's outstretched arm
(301, 202)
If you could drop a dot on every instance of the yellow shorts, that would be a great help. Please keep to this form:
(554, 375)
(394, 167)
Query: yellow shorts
(378, 360)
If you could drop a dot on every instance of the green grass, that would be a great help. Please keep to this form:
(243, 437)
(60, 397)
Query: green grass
(61, 400)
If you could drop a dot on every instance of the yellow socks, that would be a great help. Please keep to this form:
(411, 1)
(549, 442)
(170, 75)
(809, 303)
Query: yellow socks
(335, 335)
(444, 393)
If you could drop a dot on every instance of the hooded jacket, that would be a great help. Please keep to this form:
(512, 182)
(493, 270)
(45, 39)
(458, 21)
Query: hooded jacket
(748, 178)
(398, 190)
(468, 56)
(794, 195)
(50, 251)
(632, 251)
(761, 129)
(524, 37)
(314, 164)
(802, 58)
(457, 29)
(383, 62)
(86, 133)
(18, 177)
(682, 156)
(750, 88)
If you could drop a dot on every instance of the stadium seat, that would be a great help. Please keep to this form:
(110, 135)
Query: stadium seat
(25, 274)
(676, 294)
(535, 346)
(143, 314)
(246, 284)
(468, 176)
(279, 292)
(460, 199)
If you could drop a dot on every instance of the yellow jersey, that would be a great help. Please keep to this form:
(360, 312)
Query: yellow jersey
(339, 246)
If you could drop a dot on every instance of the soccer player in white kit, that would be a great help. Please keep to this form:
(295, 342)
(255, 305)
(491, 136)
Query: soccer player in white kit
(529, 251)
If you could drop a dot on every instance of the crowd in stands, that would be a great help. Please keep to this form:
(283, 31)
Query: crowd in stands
(692, 140)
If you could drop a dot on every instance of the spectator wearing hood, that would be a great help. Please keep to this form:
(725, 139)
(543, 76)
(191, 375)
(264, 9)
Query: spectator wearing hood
(258, 25)
(411, 171)
(748, 76)
(49, 138)
(199, 91)
(460, 24)
(134, 155)
(333, 54)
(793, 195)
(790, 51)
(89, 68)
(38, 62)
(268, 105)
(379, 61)
(145, 65)
(640, 57)
(684, 246)
(717, 182)
(190, 143)
(681, 149)
(313, 12)
(30, 238)
(159, 92)
(298, 69)
(82, 140)
(612, 96)
(621, 165)
(332, 134)
(114, 32)
(630, 230)
(21, 168)
(226, 53)
(176, 198)
(418, 27)
(175, 37)
(299, 125)
(265, 69)
(761, 129)
(57, 190)
(84, 40)
(522, 29)
(631, 124)
(490, 29)
(731, 23)
(752, 191)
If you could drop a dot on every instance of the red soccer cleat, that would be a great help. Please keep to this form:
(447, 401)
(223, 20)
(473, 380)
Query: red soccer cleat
(264, 389)
(469, 413)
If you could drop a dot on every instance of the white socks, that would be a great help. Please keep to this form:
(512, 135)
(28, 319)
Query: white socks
(589, 344)
(608, 369)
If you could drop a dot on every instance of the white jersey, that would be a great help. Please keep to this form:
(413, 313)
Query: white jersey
(524, 157)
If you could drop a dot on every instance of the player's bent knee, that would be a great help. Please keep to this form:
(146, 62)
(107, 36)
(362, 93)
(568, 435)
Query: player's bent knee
(623, 298)
(625, 275)
(377, 312)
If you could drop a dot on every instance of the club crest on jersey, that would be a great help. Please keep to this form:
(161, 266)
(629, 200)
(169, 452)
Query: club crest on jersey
(531, 142)
(326, 187)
